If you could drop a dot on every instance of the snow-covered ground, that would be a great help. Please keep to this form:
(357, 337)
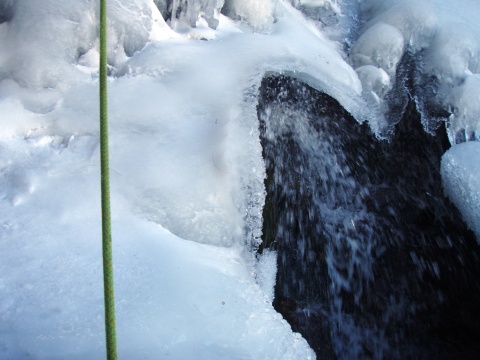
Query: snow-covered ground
(186, 166)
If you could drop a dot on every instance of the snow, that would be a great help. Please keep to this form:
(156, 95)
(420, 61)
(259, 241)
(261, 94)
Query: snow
(186, 166)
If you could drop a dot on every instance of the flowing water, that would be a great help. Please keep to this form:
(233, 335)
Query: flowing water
(373, 260)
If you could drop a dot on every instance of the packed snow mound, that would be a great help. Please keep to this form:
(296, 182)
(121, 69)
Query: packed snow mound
(461, 181)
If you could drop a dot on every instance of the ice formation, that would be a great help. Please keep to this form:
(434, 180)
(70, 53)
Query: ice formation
(185, 156)
(461, 181)
(442, 42)
(186, 164)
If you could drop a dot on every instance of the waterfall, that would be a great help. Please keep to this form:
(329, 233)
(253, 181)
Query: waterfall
(372, 258)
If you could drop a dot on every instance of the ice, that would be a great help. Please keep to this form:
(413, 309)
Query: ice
(174, 297)
(381, 45)
(39, 54)
(207, 303)
(416, 20)
(258, 13)
(186, 13)
(186, 162)
(374, 80)
(465, 105)
(461, 181)
(129, 30)
(162, 6)
(184, 156)
(376, 55)
(443, 42)
(266, 272)
(318, 3)
(325, 10)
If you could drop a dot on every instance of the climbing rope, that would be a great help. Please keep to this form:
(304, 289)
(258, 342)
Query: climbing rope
(105, 186)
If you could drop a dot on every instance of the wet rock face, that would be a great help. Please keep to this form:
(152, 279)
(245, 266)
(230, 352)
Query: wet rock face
(373, 260)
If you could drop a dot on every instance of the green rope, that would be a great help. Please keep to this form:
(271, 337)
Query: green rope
(105, 184)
